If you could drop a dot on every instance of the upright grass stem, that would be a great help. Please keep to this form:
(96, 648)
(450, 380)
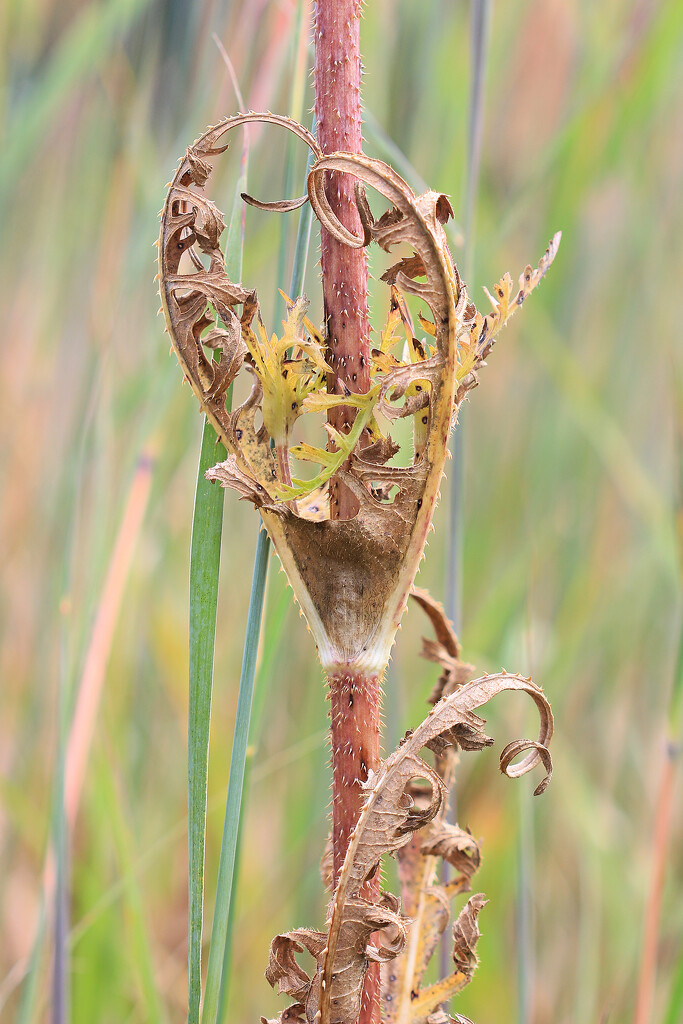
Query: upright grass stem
(224, 887)
(207, 527)
(218, 971)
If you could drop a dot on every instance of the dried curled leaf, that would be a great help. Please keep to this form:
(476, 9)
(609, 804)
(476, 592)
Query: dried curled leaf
(445, 650)
(457, 847)
(404, 1001)
(391, 814)
(420, 1005)
(427, 904)
(466, 934)
(404, 798)
(351, 578)
(355, 952)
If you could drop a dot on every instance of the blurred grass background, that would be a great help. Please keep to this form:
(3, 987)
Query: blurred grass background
(572, 476)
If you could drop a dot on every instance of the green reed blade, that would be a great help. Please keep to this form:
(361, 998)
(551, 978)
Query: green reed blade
(218, 973)
(205, 552)
(226, 869)
(204, 567)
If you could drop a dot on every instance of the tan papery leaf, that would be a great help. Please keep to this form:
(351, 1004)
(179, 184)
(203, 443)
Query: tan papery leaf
(390, 814)
(376, 553)
(445, 650)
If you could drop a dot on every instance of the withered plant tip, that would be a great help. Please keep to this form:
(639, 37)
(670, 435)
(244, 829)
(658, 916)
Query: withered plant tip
(352, 577)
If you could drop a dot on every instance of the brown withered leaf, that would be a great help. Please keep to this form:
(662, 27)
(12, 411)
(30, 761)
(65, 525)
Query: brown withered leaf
(294, 1014)
(456, 846)
(445, 650)
(390, 814)
(466, 935)
(396, 808)
(427, 904)
(355, 951)
(283, 971)
(377, 553)
(410, 266)
(419, 1005)
(230, 474)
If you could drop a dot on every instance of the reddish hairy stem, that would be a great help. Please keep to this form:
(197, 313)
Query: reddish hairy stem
(355, 701)
(344, 270)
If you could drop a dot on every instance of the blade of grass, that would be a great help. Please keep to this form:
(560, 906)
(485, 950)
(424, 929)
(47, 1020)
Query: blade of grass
(674, 1013)
(296, 107)
(220, 950)
(54, 878)
(207, 528)
(230, 845)
(272, 635)
(523, 915)
(76, 737)
(479, 30)
(226, 866)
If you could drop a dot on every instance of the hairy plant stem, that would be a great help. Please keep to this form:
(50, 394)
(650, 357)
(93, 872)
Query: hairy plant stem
(354, 698)
(344, 270)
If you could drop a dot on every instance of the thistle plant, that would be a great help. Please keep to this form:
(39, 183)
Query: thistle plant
(349, 521)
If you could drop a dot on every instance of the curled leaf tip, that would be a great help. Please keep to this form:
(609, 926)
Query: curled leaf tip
(419, 373)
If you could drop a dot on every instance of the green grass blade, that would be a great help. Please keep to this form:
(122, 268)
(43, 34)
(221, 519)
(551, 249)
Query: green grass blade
(272, 635)
(676, 700)
(207, 527)
(236, 784)
(303, 240)
(204, 566)
(29, 990)
(479, 30)
(218, 973)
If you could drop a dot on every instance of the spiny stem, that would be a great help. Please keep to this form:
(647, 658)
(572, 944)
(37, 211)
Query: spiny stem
(344, 270)
(355, 701)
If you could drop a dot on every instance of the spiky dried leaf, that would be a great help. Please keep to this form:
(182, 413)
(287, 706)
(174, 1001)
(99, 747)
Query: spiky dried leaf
(354, 622)
(445, 650)
(390, 814)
